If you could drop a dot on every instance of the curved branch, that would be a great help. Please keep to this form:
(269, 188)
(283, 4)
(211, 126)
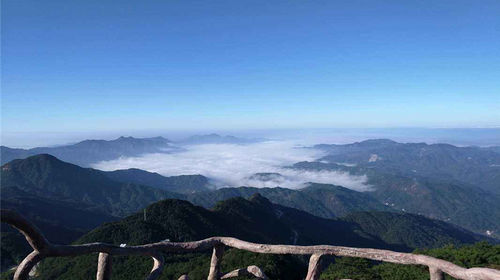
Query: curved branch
(25, 267)
(251, 270)
(313, 270)
(158, 265)
(32, 234)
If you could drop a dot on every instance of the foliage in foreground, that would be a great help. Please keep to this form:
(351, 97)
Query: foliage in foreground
(195, 265)
(480, 254)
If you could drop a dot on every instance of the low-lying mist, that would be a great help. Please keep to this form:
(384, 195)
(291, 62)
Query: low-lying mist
(231, 165)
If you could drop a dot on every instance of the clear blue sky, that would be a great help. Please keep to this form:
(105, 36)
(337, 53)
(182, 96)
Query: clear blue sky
(110, 65)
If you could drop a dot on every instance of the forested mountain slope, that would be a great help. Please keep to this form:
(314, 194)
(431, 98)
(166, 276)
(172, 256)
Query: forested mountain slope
(255, 220)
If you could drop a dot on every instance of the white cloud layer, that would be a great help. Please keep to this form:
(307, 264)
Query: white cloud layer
(232, 165)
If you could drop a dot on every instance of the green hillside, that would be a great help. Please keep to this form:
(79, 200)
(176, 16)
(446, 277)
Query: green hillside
(64, 200)
(465, 206)
(60, 221)
(255, 220)
(323, 200)
(474, 166)
(178, 184)
(47, 177)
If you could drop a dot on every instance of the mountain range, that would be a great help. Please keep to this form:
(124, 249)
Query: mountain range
(122, 192)
(87, 152)
(451, 201)
(475, 166)
(459, 185)
(410, 184)
(322, 200)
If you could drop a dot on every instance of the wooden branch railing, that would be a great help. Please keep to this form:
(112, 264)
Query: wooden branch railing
(43, 249)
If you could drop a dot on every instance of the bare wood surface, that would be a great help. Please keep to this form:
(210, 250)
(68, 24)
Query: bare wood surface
(215, 272)
(251, 270)
(158, 265)
(104, 266)
(42, 248)
(435, 273)
(32, 234)
(313, 271)
(24, 268)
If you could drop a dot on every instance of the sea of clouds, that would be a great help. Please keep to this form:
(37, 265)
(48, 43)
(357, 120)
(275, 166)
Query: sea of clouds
(230, 165)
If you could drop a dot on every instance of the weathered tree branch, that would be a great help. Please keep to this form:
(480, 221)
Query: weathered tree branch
(251, 270)
(104, 266)
(435, 273)
(32, 234)
(215, 272)
(313, 270)
(158, 264)
(24, 268)
(42, 248)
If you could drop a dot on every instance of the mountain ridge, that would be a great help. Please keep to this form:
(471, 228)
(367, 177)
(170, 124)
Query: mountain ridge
(87, 152)
(466, 206)
(46, 176)
(184, 184)
(468, 165)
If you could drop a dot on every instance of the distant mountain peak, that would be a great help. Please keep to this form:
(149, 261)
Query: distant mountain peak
(46, 157)
(267, 177)
(48, 177)
(381, 141)
(131, 138)
(43, 159)
(260, 199)
(87, 152)
(312, 185)
(214, 138)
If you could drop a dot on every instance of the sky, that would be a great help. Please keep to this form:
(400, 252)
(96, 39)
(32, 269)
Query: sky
(110, 66)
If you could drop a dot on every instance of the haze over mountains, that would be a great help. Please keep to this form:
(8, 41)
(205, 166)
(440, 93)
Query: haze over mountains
(229, 164)
(371, 124)
(467, 165)
(87, 152)
(90, 151)
(378, 186)
(460, 185)
(218, 139)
